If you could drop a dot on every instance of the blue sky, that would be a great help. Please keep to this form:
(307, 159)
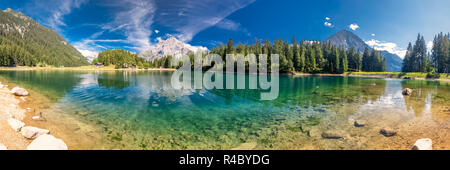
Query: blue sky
(96, 25)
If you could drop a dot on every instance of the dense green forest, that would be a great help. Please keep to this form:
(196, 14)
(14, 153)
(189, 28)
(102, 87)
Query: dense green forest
(305, 57)
(120, 58)
(24, 42)
(417, 59)
(309, 56)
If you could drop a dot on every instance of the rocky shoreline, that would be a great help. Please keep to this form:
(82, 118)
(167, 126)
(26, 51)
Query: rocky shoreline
(15, 134)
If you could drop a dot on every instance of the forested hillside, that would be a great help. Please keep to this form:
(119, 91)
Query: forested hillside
(24, 42)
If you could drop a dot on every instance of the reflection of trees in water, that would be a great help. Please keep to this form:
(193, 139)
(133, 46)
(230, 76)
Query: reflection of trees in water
(317, 90)
(116, 80)
(314, 90)
(52, 83)
(416, 102)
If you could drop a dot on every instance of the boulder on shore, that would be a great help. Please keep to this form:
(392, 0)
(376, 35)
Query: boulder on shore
(333, 134)
(407, 91)
(47, 142)
(3, 147)
(19, 91)
(423, 144)
(388, 132)
(30, 132)
(17, 125)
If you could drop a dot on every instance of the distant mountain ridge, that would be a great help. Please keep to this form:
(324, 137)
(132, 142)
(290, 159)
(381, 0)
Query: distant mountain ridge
(170, 47)
(347, 39)
(24, 41)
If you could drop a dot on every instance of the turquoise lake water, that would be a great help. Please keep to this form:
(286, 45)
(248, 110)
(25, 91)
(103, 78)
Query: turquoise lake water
(141, 110)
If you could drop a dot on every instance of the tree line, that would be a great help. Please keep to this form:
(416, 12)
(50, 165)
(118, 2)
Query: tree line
(120, 58)
(418, 59)
(308, 56)
(304, 56)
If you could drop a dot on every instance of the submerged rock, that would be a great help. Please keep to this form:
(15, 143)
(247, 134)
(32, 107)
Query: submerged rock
(333, 134)
(47, 142)
(30, 132)
(19, 91)
(360, 123)
(423, 144)
(17, 125)
(407, 91)
(3, 147)
(388, 132)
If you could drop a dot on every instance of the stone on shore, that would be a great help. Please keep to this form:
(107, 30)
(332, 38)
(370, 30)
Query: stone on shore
(333, 134)
(423, 144)
(37, 118)
(17, 125)
(19, 91)
(30, 132)
(3, 147)
(47, 142)
(388, 132)
(407, 91)
(360, 123)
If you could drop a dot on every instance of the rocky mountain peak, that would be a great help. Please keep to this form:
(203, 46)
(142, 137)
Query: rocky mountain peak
(170, 47)
(348, 39)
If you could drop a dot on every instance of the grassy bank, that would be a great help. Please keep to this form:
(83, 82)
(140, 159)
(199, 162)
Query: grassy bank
(443, 76)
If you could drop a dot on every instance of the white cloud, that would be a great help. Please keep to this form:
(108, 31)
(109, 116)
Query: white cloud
(228, 25)
(373, 35)
(156, 31)
(386, 46)
(429, 46)
(187, 18)
(353, 26)
(53, 11)
(327, 18)
(328, 24)
(135, 21)
(90, 55)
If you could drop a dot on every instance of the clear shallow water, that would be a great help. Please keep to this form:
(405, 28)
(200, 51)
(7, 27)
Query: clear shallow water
(141, 110)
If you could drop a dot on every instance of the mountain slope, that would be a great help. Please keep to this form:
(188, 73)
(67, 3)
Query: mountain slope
(24, 41)
(170, 47)
(347, 39)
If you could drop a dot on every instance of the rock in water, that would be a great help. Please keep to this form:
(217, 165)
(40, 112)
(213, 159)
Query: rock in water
(3, 147)
(47, 142)
(17, 125)
(33, 132)
(388, 132)
(19, 91)
(333, 134)
(360, 123)
(407, 91)
(423, 144)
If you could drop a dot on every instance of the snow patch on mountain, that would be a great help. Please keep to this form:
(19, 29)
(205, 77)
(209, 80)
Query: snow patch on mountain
(170, 47)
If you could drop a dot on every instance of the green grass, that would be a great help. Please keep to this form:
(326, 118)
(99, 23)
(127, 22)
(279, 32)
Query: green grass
(401, 75)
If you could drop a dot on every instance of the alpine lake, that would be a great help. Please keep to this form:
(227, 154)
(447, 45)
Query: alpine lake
(140, 110)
